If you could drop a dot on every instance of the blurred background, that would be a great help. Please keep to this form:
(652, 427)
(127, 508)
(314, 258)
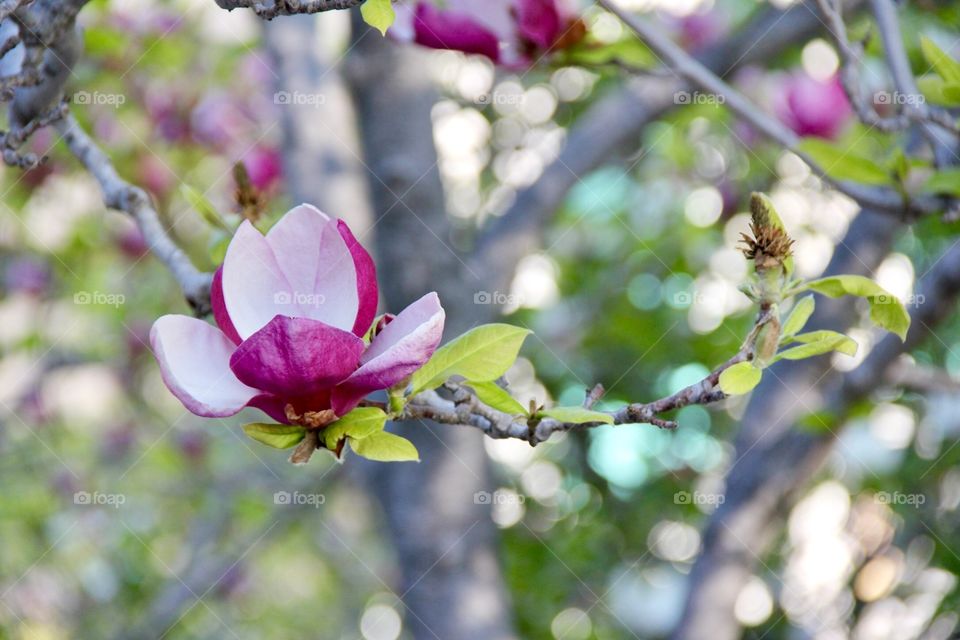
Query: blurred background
(124, 516)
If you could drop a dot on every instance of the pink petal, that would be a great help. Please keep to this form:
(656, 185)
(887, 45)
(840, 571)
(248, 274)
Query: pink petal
(220, 308)
(539, 22)
(440, 29)
(366, 280)
(296, 357)
(401, 348)
(254, 287)
(319, 265)
(194, 362)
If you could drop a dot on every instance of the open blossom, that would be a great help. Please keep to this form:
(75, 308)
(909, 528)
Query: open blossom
(514, 33)
(291, 309)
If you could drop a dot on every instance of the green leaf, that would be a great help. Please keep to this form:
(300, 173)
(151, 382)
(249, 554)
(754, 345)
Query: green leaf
(385, 447)
(739, 378)
(817, 343)
(844, 164)
(278, 436)
(945, 66)
(591, 52)
(362, 422)
(885, 310)
(482, 354)
(496, 397)
(950, 92)
(944, 181)
(379, 14)
(937, 91)
(576, 415)
(204, 207)
(798, 317)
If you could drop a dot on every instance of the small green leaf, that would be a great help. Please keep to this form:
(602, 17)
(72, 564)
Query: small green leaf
(945, 181)
(379, 14)
(278, 436)
(937, 91)
(886, 311)
(204, 207)
(576, 415)
(739, 378)
(591, 52)
(362, 422)
(817, 343)
(496, 397)
(844, 164)
(385, 447)
(798, 317)
(951, 94)
(482, 354)
(945, 66)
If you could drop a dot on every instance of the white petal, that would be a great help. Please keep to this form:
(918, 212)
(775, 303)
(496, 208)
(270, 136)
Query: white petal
(318, 265)
(194, 359)
(254, 287)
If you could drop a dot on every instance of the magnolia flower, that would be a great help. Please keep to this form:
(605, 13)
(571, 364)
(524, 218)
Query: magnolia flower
(514, 33)
(292, 309)
(812, 107)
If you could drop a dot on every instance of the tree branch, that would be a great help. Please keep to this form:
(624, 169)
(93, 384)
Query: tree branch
(465, 408)
(932, 120)
(121, 195)
(592, 142)
(270, 9)
(883, 199)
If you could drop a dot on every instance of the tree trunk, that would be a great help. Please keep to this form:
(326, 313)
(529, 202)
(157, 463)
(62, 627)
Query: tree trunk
(446, 543)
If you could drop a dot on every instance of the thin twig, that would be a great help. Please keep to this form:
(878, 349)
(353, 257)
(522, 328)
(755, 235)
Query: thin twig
(121, 195)
(881, 198)
(933, 120)
(270, 9)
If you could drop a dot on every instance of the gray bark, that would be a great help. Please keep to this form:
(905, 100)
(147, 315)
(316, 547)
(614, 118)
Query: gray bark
(445, 542)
